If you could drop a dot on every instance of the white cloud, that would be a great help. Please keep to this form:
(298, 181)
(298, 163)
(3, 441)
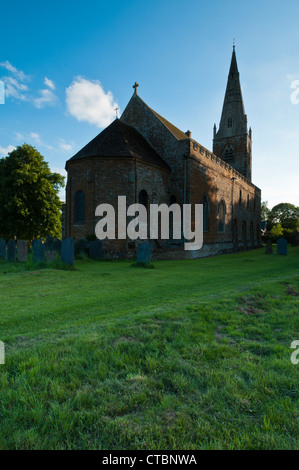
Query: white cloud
(87, 101)
(49, 83)
(5, 150)
(47, 98)
(15, 86)
(34, 136)
(18, 73)
(67, 147)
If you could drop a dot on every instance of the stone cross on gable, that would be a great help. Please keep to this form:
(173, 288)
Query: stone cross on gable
(135, 86)
(116, 111)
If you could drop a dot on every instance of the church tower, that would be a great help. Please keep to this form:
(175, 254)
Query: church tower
(232, 142)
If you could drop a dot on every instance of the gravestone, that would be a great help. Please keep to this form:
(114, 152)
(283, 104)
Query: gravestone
(49, 244)
(295, 239)
(269, 249)
(144, 253)
(2, 248)
(22, 251)
(51, 256)
(81, 246)
(57, 246)
(282, 246)
(38, 251)
(11, 250)
(67, 251)
(95, 249)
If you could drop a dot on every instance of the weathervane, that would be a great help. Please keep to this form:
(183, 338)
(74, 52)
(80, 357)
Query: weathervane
(234, 43)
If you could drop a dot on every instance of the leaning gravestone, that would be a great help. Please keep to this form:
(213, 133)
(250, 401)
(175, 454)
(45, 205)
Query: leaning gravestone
(282, 246)
(38, 251)
(22, 251)
(81, 246)
(57, 246)
(67, 251)
(49, 244)
(144, 253)
(2, 248)
(269, 249)
(95, 249)
(11, 250)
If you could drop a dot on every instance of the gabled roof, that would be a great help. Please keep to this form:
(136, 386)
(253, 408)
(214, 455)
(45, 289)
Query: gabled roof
(180, 135)
(120, 140)
(136, 100)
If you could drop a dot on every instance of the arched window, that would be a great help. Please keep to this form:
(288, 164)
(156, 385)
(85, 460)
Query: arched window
(240, 198)
(228, 153)
(79, 207)
(206, 212)
(247, 201)
(143, 198)
(221, 216)
(230, 122)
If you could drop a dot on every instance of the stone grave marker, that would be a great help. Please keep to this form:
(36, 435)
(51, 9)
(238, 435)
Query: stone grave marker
(295, 239)
(81, 246)
(38, 251)
(49, 244)
(57, 246)
(22, 251)
(282, 246)
(2, 248)
(11, 250)
(51, 256)
(269, 249)
(67, 251)
(144, 253)
(95, 249)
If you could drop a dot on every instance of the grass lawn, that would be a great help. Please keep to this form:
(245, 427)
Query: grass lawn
(189, 355)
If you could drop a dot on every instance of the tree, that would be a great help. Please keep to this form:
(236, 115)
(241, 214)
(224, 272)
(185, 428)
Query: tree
(285, 214)
(265, 211)
(276, 232)
(29, 203)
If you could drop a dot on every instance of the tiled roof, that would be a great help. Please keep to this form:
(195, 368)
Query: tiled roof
(120, 140)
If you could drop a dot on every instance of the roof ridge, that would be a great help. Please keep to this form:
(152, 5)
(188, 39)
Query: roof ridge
(175, 131)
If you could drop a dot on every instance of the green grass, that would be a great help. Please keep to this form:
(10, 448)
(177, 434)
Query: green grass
(189, 355)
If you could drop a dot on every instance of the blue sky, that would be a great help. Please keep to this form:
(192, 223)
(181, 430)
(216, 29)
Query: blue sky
(67, 64)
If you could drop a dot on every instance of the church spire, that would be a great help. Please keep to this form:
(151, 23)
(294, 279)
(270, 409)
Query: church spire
(233, 125)
(233, 118)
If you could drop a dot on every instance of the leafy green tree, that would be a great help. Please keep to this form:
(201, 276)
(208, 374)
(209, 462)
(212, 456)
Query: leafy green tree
(276, 232)
(285, 214)
(29, 203)
(265, 211)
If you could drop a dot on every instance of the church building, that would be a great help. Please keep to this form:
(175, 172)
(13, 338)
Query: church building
(149, 160)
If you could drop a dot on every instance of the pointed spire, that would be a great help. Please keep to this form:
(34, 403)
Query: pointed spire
(233, 119)
(233, 71)
(232, 135)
